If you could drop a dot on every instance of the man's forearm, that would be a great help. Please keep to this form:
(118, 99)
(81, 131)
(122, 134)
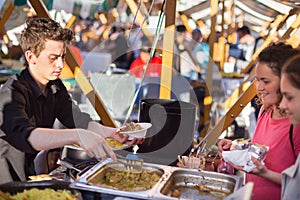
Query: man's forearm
(45, 138)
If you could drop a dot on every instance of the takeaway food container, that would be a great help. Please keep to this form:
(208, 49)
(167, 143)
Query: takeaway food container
(173, 182)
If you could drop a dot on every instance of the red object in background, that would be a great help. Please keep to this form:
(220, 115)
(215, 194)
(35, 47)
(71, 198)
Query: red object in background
(225, 168)
(154, 69)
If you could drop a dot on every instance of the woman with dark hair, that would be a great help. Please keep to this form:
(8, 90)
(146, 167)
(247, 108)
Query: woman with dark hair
(273, 126)
(290, 88)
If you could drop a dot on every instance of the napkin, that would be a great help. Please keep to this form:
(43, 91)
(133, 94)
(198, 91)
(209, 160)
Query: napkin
(243, 157)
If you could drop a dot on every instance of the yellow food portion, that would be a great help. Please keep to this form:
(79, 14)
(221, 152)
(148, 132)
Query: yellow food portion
(40, 177)
(113, 143)
(45, 194)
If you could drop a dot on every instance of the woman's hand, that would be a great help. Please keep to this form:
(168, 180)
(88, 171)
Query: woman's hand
(223, 145)
(262, 171)
(259, 169)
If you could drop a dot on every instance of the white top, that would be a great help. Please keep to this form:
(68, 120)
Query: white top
(290, 188)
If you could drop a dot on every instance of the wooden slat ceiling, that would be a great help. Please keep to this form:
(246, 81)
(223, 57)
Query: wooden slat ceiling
(197, 8)
(259, 8)
(251, 9)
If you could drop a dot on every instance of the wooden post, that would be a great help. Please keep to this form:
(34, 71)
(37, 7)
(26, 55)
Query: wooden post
(140, 18)
(294, 25)
(168, 49)
(213, 16)
(223, 18)
(3, 20)
(209, 75)
(295, 40)
(80, 77)
(70, 22)
(185, 21)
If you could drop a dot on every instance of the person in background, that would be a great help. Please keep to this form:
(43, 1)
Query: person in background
(138, 66)
(183, 62)
(200, 51)
(290, 89)
(135, 42)
(273, 125)
(32, 100)
(248, 44)
(118, 47)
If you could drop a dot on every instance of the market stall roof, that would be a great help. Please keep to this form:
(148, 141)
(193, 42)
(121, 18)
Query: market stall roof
(81, 8)
(255, 12)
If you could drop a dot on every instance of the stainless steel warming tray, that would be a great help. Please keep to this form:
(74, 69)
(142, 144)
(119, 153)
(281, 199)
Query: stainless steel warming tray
(173, 181)
(193, 184)
(92, 180)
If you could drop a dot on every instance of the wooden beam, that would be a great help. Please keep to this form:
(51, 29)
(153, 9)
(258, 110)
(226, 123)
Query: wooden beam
(40, 8)
(3, 20)
(79, 75)
(209, 75)
(6, 15)
(295, 40)
(140, 18)
(168, 49)
(232, 36)
(70, 22)
(213, 16)
(185, 21)
(293, 26)
(213, 135)
(88, 90)
(263, 28)
(223, 18)
(212, 38)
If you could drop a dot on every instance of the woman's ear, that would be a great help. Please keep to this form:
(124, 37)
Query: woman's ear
(30, 57)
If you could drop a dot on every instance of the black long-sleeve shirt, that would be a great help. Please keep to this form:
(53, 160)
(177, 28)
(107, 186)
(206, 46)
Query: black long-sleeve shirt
(23, 108)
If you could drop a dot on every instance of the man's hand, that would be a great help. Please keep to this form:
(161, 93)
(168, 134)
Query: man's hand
(106, 131)
(94, 145)
(123, 138)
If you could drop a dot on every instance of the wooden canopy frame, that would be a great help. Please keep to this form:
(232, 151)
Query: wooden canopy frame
(4, 19)
(236, 108)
